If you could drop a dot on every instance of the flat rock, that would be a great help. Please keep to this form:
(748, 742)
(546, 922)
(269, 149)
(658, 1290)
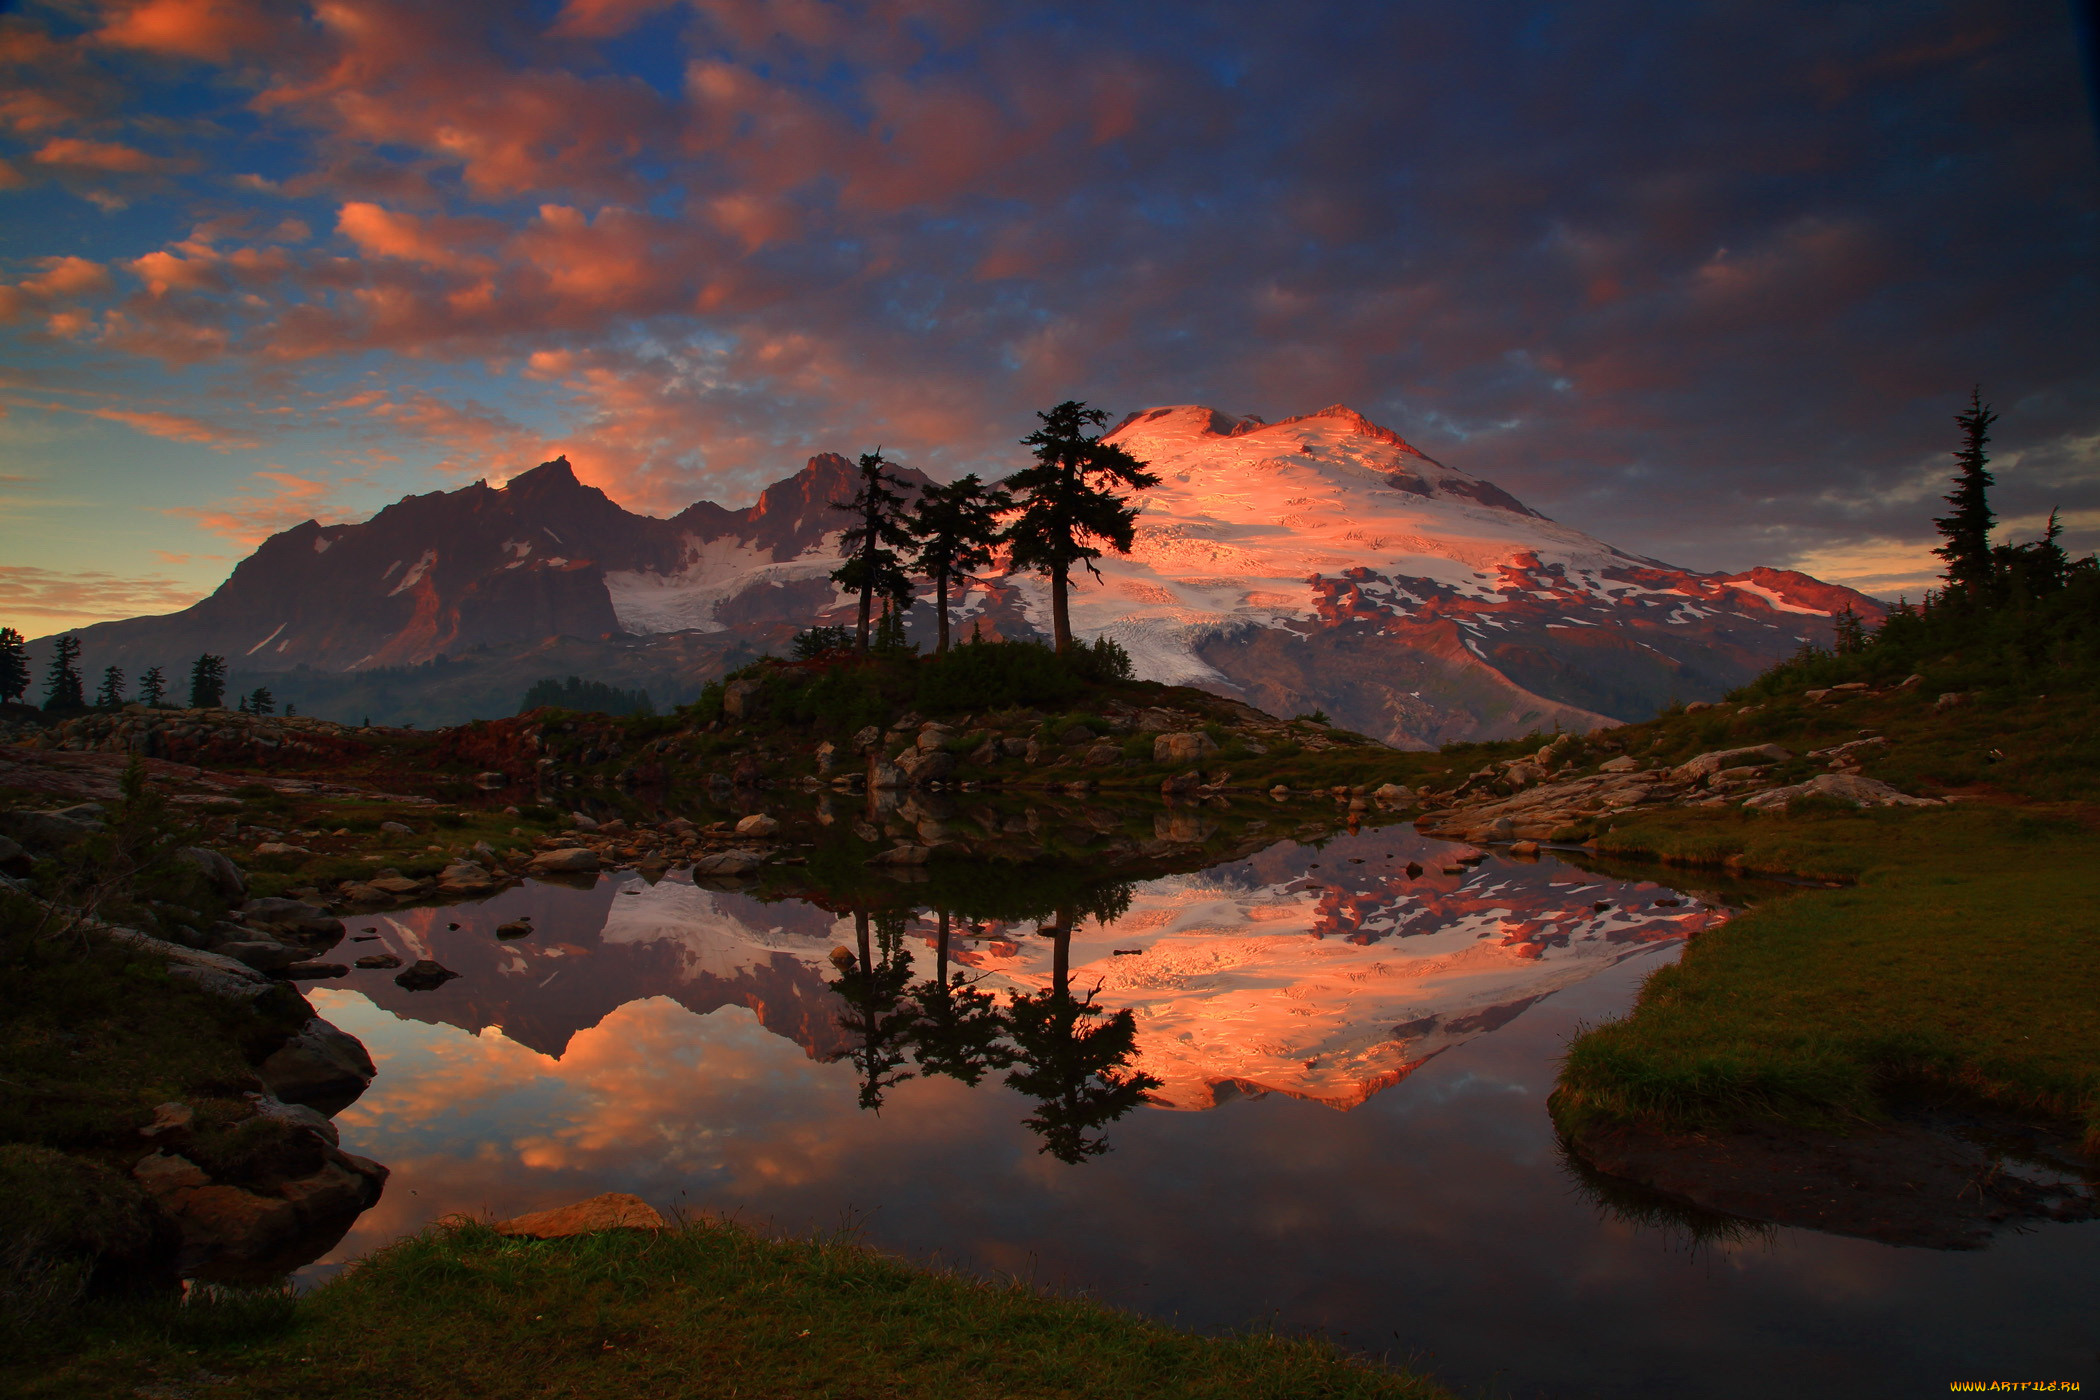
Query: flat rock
(616, 1210)
(567, 860)
(1844, 787)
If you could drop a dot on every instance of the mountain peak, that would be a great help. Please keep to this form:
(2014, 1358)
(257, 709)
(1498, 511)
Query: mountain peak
(554, 475)
(1352, 421)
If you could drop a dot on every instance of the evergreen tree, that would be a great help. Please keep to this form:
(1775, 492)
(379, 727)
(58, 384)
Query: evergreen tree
(14, 665)
(1967, 526)
(290, 710)
(62, 687)
(208, 682)
(956, 527)
(1068, 502)
(153, 687)
(873, 566)
(1851, 631)
(261, 702)
(111, 695)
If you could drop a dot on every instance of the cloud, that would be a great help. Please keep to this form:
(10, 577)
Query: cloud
(278, 500)
(178, 427)
(212, 30)
(53, 600)
(103, 157)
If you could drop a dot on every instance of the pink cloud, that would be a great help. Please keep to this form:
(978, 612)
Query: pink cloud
(107, 157)
(203, 29)
(281, 500)
(178, 427)
(440, 243)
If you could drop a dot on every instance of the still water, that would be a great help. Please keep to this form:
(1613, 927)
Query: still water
(1325, 1110)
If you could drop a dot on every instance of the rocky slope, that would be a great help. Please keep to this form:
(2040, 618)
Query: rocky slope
(1319, 562)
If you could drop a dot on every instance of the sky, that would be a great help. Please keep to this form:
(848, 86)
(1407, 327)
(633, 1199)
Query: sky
(1707, 280)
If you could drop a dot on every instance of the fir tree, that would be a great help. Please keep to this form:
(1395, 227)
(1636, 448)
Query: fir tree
(1851, 631)
(261, 702)
(208, 682)
(153, 687)
(1068, 502)
(956, 527)
(873, 566)
(1967, 526)
(14, 665)
(111, 695)
(62, 687)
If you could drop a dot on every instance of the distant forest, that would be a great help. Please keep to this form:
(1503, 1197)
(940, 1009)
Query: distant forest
(575, 693)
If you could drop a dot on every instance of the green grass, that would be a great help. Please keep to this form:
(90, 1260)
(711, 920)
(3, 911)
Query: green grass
(1966, 957)
(707, 1309)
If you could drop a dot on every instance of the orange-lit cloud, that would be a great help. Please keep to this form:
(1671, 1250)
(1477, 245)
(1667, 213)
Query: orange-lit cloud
(278, 500)
(106, 157)
(52, 600)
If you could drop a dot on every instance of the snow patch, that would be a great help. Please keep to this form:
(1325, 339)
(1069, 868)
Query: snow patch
(269, 639)
(415, 572)
(712, 572)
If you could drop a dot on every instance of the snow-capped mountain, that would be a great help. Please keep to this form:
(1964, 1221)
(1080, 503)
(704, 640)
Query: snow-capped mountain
(1316, 563)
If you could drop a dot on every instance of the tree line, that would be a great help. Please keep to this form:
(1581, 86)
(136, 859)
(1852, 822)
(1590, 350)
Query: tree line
(1062, 511)
(65, 690)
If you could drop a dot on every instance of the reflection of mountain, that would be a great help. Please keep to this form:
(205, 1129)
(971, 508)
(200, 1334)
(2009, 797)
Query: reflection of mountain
(598, 949)
(1322, 973)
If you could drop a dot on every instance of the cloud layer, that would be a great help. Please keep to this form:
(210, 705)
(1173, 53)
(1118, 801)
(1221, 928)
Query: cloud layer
(1706, 281)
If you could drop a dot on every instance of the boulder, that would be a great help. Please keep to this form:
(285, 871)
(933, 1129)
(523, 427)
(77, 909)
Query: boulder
(827, 757)
(902, 855)
(1103, 755)
(568, 860)
(385, 962)
(264, 955)
(885, 775)
(424, 975)
(465, 875)
(1844, 787)
(866, 738)
(225, 877)
(46, 831)
(933, 736)
(935, 766)
(758, 824)
(1014, 748)
(740, 697)
(391, 886)
(615, 1210)
(1394, 792)
(726, 863)
(226, 1220)
(1624, 763)
(516, 928)
(1950, 700)
(1707, 764)
(397, 829)
(14, 860)
(321, 1067)
(1189, 747)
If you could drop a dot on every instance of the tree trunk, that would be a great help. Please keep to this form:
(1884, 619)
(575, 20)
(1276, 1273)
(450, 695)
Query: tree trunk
(940, 587)
(940, 971)
(860, 934)
(1060, 609)
(1061, 953)
(867, 599)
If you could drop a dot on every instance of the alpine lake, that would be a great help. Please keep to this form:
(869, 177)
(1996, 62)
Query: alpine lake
(1300, 1083)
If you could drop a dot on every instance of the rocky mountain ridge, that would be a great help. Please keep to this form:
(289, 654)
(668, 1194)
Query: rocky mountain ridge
(1320, 562)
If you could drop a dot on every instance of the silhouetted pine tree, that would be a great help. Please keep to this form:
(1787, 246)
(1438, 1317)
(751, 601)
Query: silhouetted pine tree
(153, 686)
(1068, 501)
(1967, 526)
(956, 527)
(62, 687)
(208, 682)
(14, 665)
(873, 566)
(261, 702)
(111, 694)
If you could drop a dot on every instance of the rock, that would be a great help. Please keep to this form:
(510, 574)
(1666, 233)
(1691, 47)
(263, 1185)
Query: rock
(1844, 787)
(1103, 755)
(1188, 747)
(169, 1118)
(321, 1067)
(1624, 763)
(1950, 700)
(382, 961)
(423, 975)
(582, 821)
(902, 855)
(568, 860)
(726, 863)
(392, 886)
(1524, 848)
(1910, 681)
(1814, 695)
(937, 766)
(516, 928)
(1850, 687)
(299, 1115)
(489, 782)
(615, 1210)
(740, 697)
(465, 875)
(866, 738)
(334, 1190)
(162, 1173)
(1698, 705)
(397, 828)
(1707, 764)
(885, 775)
(225, 877)
(308, 924)
(1014, 748)
(264, 955)
(229, 1221)
(758, 824)
(14, 860)
(1394, 792)
(1182, 782)
(46, 831)
(932, 736)
(827, 757)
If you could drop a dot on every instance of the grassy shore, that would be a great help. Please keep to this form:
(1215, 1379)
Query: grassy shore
(706, 1309)
(1965, 958)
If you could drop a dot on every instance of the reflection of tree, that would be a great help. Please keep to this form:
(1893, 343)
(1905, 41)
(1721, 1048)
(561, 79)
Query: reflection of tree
(960, 1032)
(1071, 1059)
(878, 1017)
